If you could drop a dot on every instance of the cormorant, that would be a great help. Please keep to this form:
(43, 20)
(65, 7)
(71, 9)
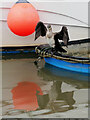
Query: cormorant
(53, 38)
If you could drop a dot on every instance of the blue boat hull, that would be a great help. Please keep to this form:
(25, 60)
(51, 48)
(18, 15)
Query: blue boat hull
(77, 67)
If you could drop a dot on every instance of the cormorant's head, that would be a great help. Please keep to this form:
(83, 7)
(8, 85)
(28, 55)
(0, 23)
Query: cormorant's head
(49, 27)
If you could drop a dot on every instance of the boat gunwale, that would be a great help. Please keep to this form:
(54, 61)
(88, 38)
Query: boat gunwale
(71, 60)
(59, 56)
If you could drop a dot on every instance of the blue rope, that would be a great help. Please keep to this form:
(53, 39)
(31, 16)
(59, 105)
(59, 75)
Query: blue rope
(15, 52)
(26, 51)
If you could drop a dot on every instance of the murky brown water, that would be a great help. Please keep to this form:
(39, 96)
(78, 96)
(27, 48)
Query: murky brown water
(47, 91)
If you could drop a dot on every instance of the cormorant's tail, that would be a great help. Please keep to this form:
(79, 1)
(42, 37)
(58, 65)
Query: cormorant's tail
(62, 50)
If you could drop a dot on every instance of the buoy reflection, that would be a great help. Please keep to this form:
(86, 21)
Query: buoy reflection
(24, 96)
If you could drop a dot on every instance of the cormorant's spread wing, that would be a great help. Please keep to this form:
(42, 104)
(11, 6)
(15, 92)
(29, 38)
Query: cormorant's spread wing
(40, 30)
(65, 39)
(63, 35)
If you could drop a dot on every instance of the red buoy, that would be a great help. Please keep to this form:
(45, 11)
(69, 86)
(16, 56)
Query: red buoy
(22, 18)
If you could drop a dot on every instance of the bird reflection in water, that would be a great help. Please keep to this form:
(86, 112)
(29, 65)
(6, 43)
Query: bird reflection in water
(55, 94)
(51, 99)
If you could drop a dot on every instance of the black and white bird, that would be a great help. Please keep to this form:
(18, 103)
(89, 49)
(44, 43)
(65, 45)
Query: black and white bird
(52, 38)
